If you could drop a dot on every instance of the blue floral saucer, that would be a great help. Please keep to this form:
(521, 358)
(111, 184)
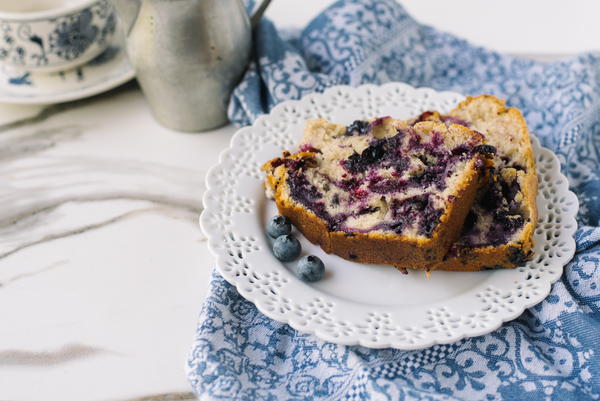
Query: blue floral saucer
(106, 71)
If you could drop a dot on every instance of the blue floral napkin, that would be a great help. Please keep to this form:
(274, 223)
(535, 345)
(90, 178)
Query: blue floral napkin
(551, 352)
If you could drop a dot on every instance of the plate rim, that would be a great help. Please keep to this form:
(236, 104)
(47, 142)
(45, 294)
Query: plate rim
(287, 319)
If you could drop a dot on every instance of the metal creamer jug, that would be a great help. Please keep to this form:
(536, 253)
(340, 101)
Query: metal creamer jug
(188, 55)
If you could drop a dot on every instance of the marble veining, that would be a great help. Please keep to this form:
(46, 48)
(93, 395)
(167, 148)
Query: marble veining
(37, 114)
(6, 281)
(65, 354)
(101, 257)
(37, 141)
(33, 199)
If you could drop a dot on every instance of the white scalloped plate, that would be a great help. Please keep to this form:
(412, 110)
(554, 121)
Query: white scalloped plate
(374, 306)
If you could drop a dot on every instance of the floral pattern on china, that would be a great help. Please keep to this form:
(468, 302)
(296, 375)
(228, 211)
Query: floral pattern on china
(56, 42)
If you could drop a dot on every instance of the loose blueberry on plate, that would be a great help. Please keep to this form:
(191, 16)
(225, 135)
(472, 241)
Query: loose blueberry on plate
(286, 248)
(279, 225)
(310, 268)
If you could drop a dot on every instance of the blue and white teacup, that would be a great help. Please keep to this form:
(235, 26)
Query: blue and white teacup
(52, 35)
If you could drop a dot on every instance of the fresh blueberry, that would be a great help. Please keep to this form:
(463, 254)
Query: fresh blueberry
(279, 225)
(286, 248)
(310, 268)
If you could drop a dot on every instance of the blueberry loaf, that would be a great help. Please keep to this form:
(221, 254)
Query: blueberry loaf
(381, 191)
(498, 231)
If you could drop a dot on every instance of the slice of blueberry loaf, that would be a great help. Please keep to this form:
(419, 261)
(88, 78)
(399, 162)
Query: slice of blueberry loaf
(498, 231)
(381, 191)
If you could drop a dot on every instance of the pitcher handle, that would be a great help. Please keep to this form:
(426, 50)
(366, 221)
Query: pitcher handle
(259, 13)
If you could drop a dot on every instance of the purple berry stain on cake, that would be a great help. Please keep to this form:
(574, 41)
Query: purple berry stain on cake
(387, 170)
(455, 120)
(383, 185)
(307, 194)
(496, 215)
(419, 208)
(309, 148)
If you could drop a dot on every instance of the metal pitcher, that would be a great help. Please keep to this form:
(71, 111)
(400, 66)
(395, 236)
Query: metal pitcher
(188, 55)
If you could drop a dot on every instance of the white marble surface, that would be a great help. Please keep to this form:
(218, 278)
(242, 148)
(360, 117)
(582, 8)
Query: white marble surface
(102, 264)
(103, 268)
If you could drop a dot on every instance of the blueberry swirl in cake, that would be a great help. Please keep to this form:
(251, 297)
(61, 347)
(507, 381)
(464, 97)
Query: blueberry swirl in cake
(384, 191)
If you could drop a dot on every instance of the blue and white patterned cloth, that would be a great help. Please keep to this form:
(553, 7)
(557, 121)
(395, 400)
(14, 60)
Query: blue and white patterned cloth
(551, 352)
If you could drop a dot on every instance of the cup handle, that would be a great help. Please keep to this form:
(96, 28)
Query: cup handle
(259, 12)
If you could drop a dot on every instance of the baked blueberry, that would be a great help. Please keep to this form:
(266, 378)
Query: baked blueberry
(279, 225)
(310, 268)
(373, 153)
(358, 127)
(360, 162)
(486, 149)
(286, 248)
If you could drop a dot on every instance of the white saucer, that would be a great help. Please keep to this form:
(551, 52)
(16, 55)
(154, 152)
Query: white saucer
(108, 70)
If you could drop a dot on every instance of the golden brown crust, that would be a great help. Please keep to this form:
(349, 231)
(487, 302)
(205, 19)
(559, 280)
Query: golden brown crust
(485, 258)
